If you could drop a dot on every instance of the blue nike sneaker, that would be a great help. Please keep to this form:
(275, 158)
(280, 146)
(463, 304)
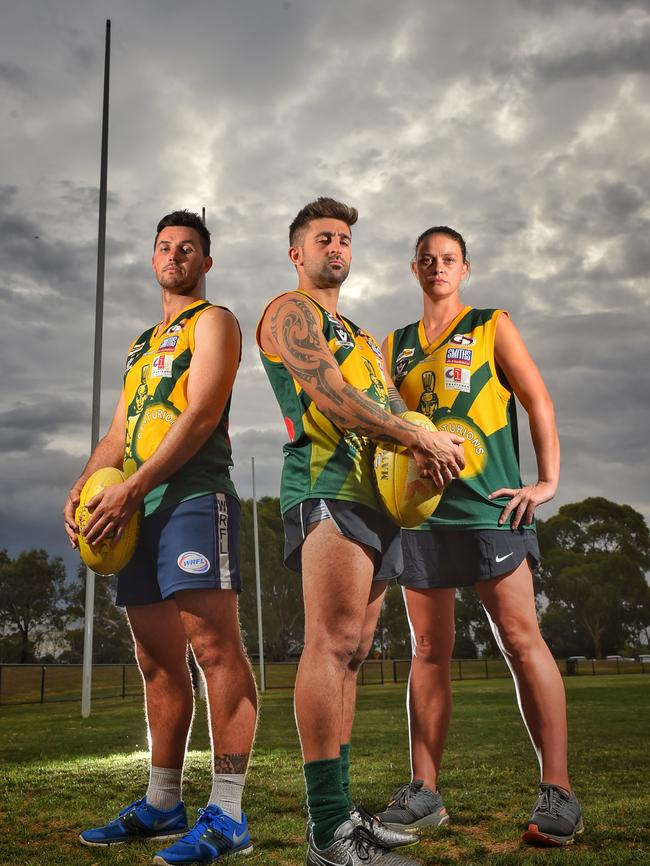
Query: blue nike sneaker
(214, 835)
(139, 820)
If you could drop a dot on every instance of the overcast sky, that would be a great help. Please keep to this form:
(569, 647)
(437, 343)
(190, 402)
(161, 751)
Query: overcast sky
(525, 125)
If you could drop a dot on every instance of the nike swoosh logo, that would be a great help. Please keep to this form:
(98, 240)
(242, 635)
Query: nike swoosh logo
(501, 558)
(161, 824)
(238, 838)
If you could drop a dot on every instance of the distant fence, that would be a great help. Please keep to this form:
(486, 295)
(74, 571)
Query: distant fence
(33, 683)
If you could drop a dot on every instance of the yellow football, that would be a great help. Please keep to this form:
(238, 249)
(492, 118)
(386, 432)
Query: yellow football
(407, 497)
(103, 558)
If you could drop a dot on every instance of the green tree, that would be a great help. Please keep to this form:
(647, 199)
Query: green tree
(393, 638)
(281, 589)
(112, 641)
(32, 593)
(595, 556)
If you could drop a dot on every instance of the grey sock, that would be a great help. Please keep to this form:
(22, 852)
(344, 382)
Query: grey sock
(164, 791)
(227, 789)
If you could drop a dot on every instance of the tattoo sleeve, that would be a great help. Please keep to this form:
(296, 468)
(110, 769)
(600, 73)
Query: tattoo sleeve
(397, 405)
(233, 763)
(301, 345)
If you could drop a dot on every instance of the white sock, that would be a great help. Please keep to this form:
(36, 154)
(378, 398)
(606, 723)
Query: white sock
(227, 789)
(164, 791)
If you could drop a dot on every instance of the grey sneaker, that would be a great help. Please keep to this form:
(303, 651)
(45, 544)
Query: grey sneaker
(413, 806)
(354, 845)
(556, 818)
(388, 838)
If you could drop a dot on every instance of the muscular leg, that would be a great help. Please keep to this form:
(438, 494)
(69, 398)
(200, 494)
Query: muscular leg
(337, 578)
(431, 617)
(510, 604)
(211, 624)
(160, 644)
(373, 610)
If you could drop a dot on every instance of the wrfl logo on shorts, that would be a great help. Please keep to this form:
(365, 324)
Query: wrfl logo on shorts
(193, 562)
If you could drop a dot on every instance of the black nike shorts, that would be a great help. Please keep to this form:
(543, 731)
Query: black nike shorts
(437, 559)
(355, 521)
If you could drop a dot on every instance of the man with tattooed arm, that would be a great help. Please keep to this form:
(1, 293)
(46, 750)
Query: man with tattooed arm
(330, 382)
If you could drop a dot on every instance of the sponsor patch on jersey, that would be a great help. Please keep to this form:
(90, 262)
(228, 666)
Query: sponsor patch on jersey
(373, 345)
(457, 379)
(168, 344)
(454, 355)
(193, 562)
(462, 340)
(161, 367)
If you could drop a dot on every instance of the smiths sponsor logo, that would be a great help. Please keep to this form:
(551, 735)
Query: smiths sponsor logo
(193, 562)
(458, 356)
(462, 340)
(168, 344)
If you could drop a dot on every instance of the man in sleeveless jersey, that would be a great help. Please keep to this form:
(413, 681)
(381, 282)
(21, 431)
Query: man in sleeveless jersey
(330, 382)
(170, 434)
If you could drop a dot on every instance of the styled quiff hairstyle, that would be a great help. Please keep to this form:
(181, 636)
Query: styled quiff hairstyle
(444, 230)
(189, 220)
(322, 208)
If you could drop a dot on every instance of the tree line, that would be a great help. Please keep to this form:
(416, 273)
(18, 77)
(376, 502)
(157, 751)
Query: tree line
(591, 589)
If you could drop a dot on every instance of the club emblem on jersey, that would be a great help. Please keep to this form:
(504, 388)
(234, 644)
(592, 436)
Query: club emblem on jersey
(402, 362)
(133, 355)
(377, 385)
(462, 340)
(428, 402)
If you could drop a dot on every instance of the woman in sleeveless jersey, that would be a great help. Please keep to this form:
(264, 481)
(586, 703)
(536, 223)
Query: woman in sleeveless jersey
(462, 366)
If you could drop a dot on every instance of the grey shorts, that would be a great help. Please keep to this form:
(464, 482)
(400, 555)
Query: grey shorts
(357, 522)
(436, 559)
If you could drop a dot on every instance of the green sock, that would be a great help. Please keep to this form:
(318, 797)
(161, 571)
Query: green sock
(345, 773)
(328, 805)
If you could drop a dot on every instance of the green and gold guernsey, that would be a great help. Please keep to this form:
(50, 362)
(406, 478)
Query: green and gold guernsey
(155, 394)
(454, 381)
(321, 459)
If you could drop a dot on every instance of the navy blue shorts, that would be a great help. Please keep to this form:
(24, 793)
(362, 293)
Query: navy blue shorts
(192, 545)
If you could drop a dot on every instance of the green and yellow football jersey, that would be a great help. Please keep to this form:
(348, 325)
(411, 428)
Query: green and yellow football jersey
(155, 394)
(455, 382)
(321, 459)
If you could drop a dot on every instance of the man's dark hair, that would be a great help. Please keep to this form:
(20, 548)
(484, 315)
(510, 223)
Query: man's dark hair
(322, 208)
(189, 220)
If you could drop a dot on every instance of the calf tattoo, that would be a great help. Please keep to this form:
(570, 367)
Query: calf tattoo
(231, 763)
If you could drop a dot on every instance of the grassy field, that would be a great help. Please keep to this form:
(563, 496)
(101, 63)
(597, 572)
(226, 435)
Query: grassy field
(61, 773)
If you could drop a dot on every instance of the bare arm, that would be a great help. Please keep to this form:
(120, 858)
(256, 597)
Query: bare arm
(211, 376)
(291, 330)
(526, 381)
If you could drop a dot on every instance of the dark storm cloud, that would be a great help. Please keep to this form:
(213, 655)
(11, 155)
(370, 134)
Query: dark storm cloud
(523, 124)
